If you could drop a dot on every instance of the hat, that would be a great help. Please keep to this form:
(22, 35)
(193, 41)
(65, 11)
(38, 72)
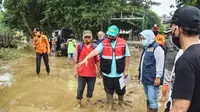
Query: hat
(112, 30)
(168, 30)
(87, 33)
(155, 28)
(187, 16)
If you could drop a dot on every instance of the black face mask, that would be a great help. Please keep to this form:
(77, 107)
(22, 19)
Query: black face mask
(176, 40)
(112, 39)
(155, 32)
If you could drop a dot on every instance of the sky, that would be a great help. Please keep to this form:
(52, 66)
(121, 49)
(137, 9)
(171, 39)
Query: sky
(164, 8)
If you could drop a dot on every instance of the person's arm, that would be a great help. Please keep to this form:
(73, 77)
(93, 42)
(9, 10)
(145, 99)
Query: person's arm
(127, 61)
(98, 69)
(180, 105)
(34, 42)
(95, 52)
(75, 62)
(48, 45)
(160, 61)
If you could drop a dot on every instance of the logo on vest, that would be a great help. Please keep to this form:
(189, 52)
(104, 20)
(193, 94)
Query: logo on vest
(150, 49)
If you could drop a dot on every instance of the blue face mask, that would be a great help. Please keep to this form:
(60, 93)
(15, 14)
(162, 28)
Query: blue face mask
(145, 43)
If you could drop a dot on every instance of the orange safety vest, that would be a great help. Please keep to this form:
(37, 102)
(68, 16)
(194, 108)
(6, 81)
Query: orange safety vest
(160, 39)
(42, 44)
(108, 53)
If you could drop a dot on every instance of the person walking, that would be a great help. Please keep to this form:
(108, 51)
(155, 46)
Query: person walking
(86, 74)
(113, 63)
(185, 35)
(42, 47)
(71, 46)
(151, 68)
(54, 44)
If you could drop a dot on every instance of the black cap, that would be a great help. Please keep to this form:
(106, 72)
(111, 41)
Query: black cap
(187, 16)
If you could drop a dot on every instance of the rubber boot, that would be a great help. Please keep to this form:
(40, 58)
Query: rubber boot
(121, 100)
(148, 109)
(153, 110)
(110, 101)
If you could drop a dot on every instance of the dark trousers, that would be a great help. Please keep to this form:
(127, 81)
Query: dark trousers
(38, 62)
(111, 85)
(82, 81)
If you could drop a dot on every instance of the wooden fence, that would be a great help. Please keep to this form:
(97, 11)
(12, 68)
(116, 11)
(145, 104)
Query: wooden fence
(6, 40)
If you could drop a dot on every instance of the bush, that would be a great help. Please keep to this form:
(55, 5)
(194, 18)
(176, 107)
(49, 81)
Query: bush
(8, 53)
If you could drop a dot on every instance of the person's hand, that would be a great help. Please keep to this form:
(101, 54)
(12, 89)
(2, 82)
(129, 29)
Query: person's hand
(98, 74)
(34, 46)
(157, 81)
(125, 74)
(76, 75)
(49, 52)
(82, 62)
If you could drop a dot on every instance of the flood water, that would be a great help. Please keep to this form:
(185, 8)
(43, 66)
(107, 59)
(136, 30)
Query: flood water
(57, 93)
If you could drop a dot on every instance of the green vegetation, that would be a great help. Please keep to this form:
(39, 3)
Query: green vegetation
(8, 53)
(75, 14)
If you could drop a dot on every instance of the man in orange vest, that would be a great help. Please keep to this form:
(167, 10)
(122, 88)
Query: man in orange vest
(42, 47)
(160, 39)
(114, 63)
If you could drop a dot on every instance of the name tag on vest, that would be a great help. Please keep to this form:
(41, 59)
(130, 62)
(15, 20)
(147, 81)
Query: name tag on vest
(150, 49)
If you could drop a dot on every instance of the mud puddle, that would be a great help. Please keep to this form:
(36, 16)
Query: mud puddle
(57, 93)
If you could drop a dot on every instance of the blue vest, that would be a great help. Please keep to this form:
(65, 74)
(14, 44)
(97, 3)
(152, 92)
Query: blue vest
(149, 65)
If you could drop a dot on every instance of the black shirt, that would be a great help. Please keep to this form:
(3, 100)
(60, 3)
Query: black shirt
(187, 80)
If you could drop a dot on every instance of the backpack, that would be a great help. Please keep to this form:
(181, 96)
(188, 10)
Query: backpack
(94, 45)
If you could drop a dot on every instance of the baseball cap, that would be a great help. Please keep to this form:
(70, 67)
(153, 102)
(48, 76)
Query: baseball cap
(187, 16)
(112, 31)
(87, 33)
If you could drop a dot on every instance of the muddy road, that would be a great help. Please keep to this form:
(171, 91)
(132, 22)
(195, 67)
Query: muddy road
(57, 93)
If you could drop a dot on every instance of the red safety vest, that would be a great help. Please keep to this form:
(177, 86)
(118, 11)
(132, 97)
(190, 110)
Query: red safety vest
(108, 53)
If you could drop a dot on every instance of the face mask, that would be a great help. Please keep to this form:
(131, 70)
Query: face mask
(112, 39)
(176, 40)
(155, 32)
(145, 43)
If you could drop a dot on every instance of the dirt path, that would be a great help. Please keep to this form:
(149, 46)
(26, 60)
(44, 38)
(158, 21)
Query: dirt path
(57, 93)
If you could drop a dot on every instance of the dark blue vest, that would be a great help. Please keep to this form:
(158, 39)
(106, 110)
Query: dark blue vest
(149, 65)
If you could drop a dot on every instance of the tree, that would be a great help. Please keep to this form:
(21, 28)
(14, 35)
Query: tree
(75, 14)
(188, 2)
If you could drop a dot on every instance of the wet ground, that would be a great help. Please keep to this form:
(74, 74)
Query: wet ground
(57, 93)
